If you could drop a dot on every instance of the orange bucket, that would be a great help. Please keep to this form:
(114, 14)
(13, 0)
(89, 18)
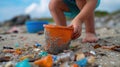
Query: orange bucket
(57, 38)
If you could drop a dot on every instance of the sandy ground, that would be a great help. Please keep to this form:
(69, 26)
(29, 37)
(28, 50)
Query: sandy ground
(104, 57)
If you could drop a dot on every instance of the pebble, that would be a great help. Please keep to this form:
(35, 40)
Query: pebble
(8, 54)
(5, 47)
(4, 59)
(27, 56)
(99, 66)
(112, 62)
(9, 64)
(91, 59)
(80, 56)
(0, 37)
(36, 49)
(93, 52)
(8, 51)
(65, 64)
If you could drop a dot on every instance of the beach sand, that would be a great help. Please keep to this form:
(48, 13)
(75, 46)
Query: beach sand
(104, 57)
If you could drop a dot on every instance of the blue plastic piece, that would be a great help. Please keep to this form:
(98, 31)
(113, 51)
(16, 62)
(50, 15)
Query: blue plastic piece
(16, 44)
(35, 26)
(24, 63)
(43, 53)
(54, 57)
(82, 62)
(37, 45)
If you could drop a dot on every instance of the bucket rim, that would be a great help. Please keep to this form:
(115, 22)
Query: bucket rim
(36, 22)
(57, 26)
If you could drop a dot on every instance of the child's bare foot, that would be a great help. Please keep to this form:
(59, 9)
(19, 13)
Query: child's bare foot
(90, 37)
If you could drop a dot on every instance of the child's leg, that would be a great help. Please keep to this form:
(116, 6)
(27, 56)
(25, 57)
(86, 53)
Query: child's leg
(90, 29)
(89, 23)
(57, 8)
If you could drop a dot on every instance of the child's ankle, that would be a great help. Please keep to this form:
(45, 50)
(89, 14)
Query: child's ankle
(93, 33)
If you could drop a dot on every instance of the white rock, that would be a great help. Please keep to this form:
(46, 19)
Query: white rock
(65, 64)
(9, 64)
(36, 49)
(93, 52)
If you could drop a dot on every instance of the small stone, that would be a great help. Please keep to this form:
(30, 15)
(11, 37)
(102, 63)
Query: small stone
(27, 56)
(8, 51)
(13, 35)
(91, 59)
(41, 32)
(34, 59)
(36, 49)
(9, 64)
(117, 49)
(4, 59)
(93, 52)
(100, 66)
(65, 64)
(97, 46)
(0, 37)
(80, 56)
(74, 47)
(9, 54)
(112, 62)
(5, 47)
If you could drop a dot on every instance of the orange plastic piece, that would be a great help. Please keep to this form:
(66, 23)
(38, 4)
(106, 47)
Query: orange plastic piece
(18, 52)
(45, 61)
(75, 65)
(8, 51)
(57, 37)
